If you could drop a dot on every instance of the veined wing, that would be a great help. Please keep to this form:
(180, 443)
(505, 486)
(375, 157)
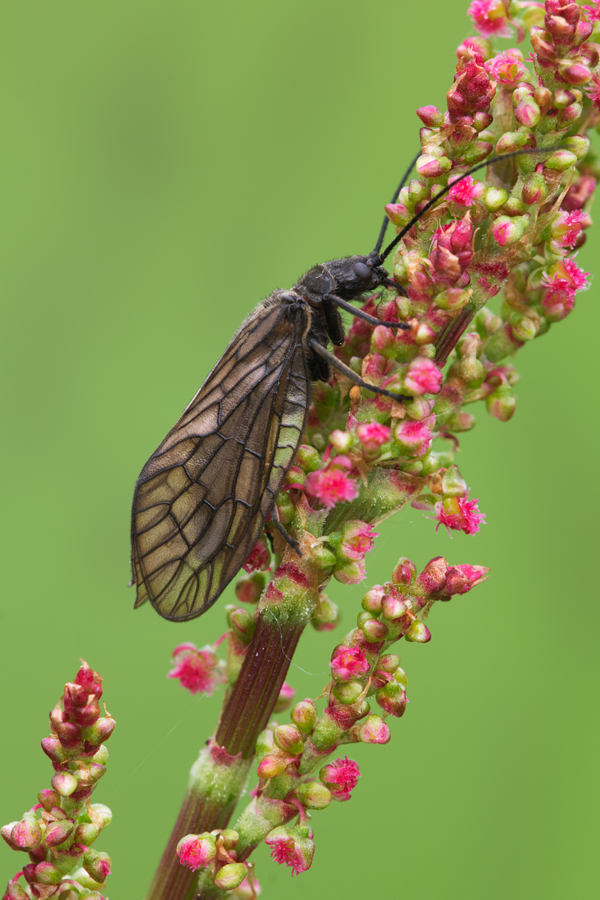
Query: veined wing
(202, 498)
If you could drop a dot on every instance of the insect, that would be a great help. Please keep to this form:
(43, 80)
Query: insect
(202, 499)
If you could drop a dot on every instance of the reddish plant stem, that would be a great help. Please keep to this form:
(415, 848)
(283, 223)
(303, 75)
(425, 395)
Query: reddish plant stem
(173, 881)
(257, 688)
(450, 337)
(245, 715)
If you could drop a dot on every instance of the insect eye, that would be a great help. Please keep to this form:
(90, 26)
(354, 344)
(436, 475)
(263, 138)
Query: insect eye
(362, 271)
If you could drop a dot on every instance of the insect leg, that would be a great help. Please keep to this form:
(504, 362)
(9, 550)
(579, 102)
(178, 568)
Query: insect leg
(359, 314)
(347, 371)
(277, 523)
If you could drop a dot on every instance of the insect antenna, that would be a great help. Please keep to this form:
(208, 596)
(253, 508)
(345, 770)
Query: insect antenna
(386, 221)
(430, 203)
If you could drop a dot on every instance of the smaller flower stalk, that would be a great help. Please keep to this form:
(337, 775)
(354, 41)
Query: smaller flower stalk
(59, 831)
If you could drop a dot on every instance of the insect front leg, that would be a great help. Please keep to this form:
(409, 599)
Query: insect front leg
(319, 350)
(359, 314)
(276, 521)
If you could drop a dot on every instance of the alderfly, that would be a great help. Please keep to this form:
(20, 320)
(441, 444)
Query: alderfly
(202, 499)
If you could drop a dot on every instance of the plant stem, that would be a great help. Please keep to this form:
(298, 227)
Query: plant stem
(219, 775)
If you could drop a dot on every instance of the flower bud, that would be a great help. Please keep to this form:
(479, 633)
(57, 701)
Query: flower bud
(58, 832)
(534, 190)
(230, 876)
(431, 116)
(374, 631)
(46, 873)
(506, 230)
(405, 571)
(453, 298)
(577, 144)
(494, 198)
(575, 73)
(49, 799)
(501, 403)
(374, 731)
(27, 833)
(249, 588)
(453, 485)
(392, 699)
(528, 113)
(272, 765)
(418, 633)
(394, 607)
(476, 151)
(64, 784)
(523, 327)
(241, 623)
(288, 738)
(372, 600)
(429, 166)
(14, 891)
(326, 615)
(53, 748)
(313, 795)
(100, 731)
(304, 715)
(511, 141)
(389, 662)
(560, 160)
(347, 692)
(97, 865)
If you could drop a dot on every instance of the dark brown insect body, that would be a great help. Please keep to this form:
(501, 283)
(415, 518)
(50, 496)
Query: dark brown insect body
(202, 498)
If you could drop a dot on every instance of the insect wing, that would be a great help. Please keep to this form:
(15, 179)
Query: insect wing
(202, 498)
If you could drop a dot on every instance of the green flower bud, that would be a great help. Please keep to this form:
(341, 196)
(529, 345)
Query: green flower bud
(313, 795)
(560, 161)
(494, 198)
(523, 327)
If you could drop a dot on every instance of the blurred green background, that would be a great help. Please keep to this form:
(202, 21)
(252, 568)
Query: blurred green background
(165, 166)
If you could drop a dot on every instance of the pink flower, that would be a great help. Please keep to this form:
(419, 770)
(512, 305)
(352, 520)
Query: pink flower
(561, 283)
(567, 226)
(593, 90)
(576, 277)
(489, 18)
(423, 377)
(341, 777)
(414, 438)
(507, 68)
(357, 539)
(593, 13)
(466, 192)
(259, 557)
(348, 663)
(292, 847)
(198, 670)
(373, 433)
(332, 485)
(196, 850)
(460, 514)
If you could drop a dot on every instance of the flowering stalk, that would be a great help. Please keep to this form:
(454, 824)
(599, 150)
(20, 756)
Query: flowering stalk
(508, 239)
(58, 832)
